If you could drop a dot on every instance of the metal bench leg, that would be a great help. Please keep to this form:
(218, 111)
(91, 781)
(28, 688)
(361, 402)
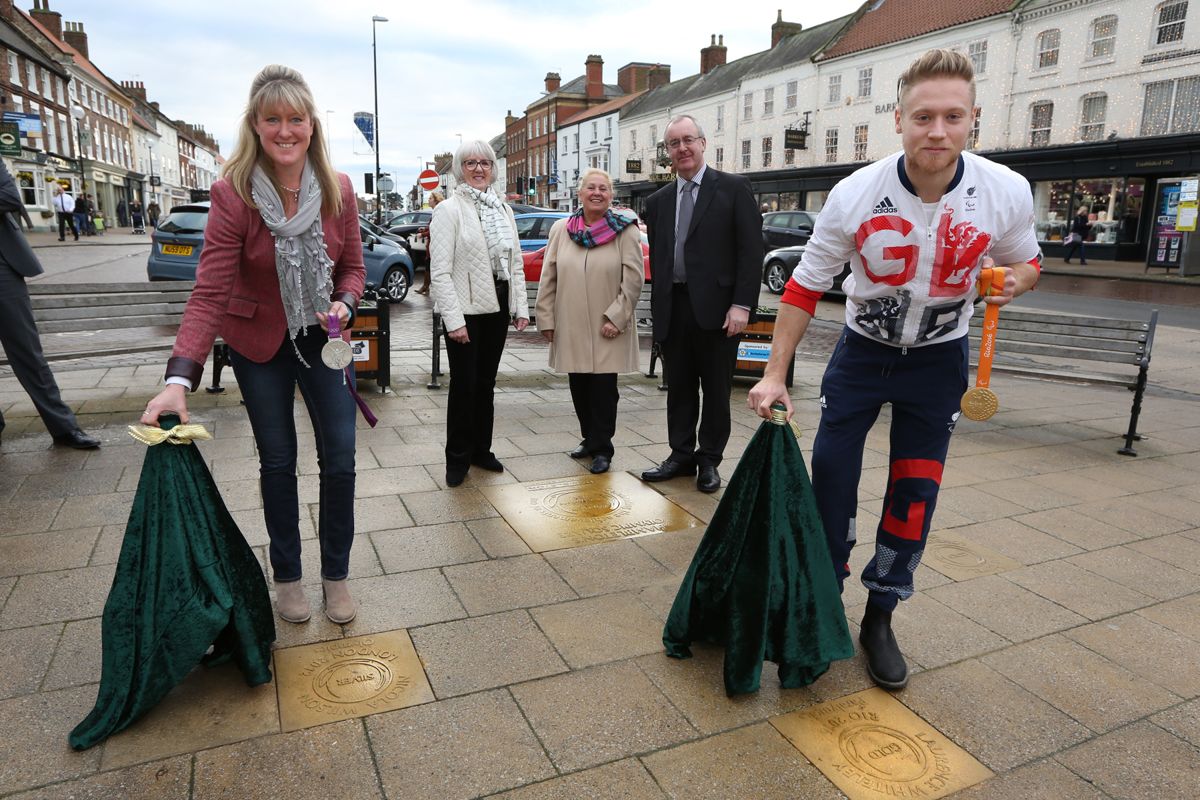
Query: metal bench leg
(220, 361)
(435, 369)
(1134, 413)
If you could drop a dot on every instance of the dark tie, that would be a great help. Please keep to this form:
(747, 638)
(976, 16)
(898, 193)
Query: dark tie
(686, 204)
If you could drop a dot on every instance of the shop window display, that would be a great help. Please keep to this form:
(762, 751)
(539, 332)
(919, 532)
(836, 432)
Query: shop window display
(1113, 206)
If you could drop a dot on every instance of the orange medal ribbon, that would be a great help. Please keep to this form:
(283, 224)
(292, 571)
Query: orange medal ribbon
(981, 403)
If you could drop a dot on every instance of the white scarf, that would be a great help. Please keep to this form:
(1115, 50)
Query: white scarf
(497, 231)
(302, 263)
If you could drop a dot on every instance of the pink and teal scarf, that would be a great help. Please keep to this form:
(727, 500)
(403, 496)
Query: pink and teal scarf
(603, 231)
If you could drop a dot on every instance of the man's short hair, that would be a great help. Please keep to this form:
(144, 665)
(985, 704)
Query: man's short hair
(936, 64)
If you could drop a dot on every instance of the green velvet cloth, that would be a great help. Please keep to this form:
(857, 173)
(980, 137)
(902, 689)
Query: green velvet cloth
(186, 581)
(762, 582)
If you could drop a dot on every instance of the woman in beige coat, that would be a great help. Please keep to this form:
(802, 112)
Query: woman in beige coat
(591, 279)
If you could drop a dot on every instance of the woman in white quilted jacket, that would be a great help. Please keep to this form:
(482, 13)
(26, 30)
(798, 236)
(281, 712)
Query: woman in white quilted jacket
(477, 281)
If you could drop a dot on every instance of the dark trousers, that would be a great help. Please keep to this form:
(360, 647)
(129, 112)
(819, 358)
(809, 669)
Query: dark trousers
(924, 386)
(595, 397)
(66, 222)
(19, 336)
(1072, 247)
(699, 366)
(470, 412)
(269, 392)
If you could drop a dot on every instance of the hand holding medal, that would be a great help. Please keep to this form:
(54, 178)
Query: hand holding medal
(980, 402)
(336, 354)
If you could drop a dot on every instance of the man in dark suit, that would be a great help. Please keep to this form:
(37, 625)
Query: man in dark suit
(18, 333)
(706, 257)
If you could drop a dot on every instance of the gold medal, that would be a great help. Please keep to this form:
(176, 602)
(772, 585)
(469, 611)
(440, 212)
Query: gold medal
(980, 402)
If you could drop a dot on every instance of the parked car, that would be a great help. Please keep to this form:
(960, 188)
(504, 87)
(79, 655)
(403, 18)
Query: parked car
(533, 262)
(779, 264)
(382, 233)
(177, 241)
(525, 208)
(413, 228)
(534, 229)
(785, 228)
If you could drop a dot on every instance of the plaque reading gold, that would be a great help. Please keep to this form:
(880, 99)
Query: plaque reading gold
(331, 681)
(872, 746)
(961, 559)
(560, 513)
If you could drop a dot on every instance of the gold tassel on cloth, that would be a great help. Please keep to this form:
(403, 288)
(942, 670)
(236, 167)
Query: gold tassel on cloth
(180, 434)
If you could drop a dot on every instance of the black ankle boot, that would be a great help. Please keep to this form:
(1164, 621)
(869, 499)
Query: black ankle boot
(885, 663)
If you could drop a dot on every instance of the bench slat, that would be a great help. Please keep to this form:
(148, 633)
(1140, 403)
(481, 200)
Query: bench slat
(1053, 351)
(111, 323)
(36, 289)
(93, 301)
(129, 313)
(1008, 315)
(1005, 337)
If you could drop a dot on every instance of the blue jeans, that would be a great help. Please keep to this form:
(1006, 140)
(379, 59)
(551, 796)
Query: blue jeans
(269, 392)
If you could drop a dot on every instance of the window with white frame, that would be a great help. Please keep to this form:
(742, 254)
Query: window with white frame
(59, 85)
(47, 84)
(1171, 107)
(595, 130)
(768, 101)
(608, 128)
(51, 133)
(745, 154)
(720, 158)
(973, 136)
(564, 145)
(789, 157)
(575, 141)
(1104, 37)
(1092, 110)
(860, 142)
(866, 77)
(792, 91)
(977, 52)
(632, 142)
(1047, 48)
(30, 75)
(834, 93)
(766, 151)
(1041, 117)
(654, 136)
(831, 145)
(14, 74)
(748, 105)
(720, 118)
(1169, 22)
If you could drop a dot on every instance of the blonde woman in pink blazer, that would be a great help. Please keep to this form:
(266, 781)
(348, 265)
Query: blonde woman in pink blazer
(282, 261)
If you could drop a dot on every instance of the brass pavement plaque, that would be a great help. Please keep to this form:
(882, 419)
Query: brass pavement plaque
(345, 678)
(558, 513)
(872, 746)
(960, 559)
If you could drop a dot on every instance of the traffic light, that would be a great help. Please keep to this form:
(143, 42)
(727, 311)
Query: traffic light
(368, 183)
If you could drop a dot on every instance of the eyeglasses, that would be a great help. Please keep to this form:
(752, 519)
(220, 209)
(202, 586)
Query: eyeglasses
(688, 141)
(480, 164)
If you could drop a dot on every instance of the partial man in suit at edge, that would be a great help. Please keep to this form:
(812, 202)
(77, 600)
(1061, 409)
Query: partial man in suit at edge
(706, 255)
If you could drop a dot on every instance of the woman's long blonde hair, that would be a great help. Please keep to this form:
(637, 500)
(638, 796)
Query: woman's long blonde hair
(280, 86)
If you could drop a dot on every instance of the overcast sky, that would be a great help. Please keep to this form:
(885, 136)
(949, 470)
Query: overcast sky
(445, 68)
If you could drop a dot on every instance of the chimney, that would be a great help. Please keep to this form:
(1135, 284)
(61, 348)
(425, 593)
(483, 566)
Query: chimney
(660, 75)
(75, 36)
(553, 81)
(781, 29)
(50, 20)
(6, 10)
(154, 105)
(713, 55)
(509, 119)
(135, 89)
(594, 66)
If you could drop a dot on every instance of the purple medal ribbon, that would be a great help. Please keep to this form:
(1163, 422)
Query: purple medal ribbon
(335, 332)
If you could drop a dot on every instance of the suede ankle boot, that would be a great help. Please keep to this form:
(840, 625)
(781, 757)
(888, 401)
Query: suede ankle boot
(339, 605)
(885, 662)
(291, 603)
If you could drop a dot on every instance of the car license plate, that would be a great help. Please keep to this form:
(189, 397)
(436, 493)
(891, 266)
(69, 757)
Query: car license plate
(177, 249)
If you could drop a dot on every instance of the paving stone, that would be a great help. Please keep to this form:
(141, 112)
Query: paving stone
(45, 552)
(1077, 528)
(1073, 587)
(99, 509)
(998, 604)
(1011, 728)
(24, 656)
(497, 537)
(750, 762)
(486, 587)
(426, 546)
(600, 714)
(1136, 519)
(374, 514)
(1183, 720)
(596, 630)
(1175, 549)
(169, 779)
(310, 764)
(1044, 780)
(620, 780)
(458, 748)
(485, 652)
(450, 505)
(1139, 762)
(674, 549)
(410, 455)
(1127, 567)
(1073, 679)
(1017, 541)
(1147, 649)
(35, 738)
(401, 600)
(608, 567)
(1181, 616)
(957, 636)
(386, 481)
(73, 484)
(77, 658)
(57, 596)
(36, 516)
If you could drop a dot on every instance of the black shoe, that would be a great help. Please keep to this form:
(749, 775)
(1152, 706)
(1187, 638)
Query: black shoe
(455, 477)
(488, 462)
(709, 480)
(667, 470)
(1083, 263)
(579, 452)
(61, 239)
(600, 464)
(885, 662)
(77, 439)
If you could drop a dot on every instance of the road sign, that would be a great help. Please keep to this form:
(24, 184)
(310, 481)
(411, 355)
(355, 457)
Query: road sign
(429, 180)
(386, 184)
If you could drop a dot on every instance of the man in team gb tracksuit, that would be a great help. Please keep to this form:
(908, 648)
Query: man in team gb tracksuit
(916, 227)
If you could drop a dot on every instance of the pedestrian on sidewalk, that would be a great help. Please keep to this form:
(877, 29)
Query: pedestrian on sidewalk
(122, 213)
(706, 254)
(282, 270)
(135, 217)
(152, 211)
(18, 331)
(83, 216)
(905, 340)
(1080, 228)
(592, 276)
(64, 207)
(478, 287)
(434, 199)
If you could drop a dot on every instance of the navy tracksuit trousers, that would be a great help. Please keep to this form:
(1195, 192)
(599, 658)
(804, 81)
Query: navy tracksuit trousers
(924, 386)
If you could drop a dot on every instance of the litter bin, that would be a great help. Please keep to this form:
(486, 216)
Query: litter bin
(371, 344)
(755, 347)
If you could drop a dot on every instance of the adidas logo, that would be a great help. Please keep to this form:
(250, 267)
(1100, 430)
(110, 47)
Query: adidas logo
(884, 206)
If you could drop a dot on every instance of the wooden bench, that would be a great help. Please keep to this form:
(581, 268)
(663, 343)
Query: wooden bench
(642, 312)
(1063, 341)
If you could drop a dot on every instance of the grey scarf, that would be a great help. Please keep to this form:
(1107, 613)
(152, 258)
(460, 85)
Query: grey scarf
(497, 231)
(302, 263)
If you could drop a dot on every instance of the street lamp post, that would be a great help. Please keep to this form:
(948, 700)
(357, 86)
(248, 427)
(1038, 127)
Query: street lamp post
(153, 188)
(375, 75)
(78, 113)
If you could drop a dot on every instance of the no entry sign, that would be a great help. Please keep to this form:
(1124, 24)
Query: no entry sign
(429, 180)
